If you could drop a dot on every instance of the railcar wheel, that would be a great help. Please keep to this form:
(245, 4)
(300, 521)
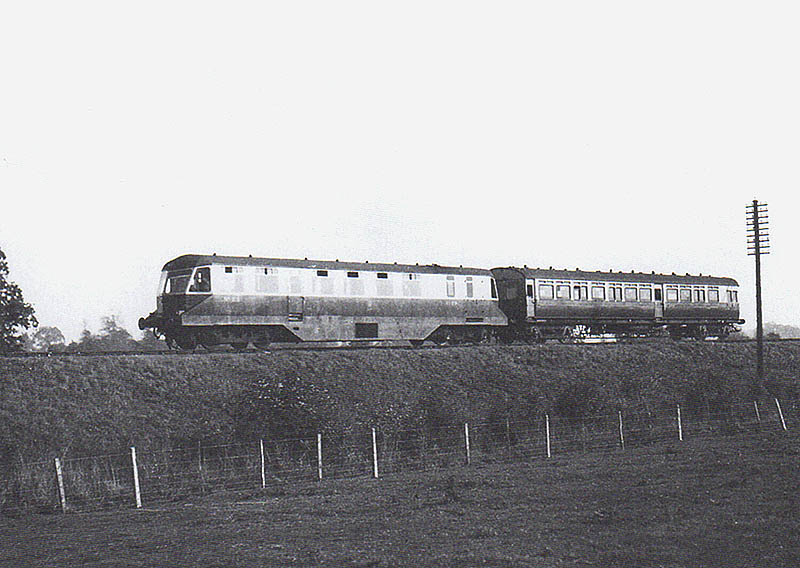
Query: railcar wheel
(186, 342)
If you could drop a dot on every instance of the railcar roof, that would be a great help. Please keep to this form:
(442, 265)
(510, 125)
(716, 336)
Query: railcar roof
(192, 260)
(637, 277)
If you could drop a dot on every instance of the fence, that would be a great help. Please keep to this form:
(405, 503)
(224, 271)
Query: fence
(131, 479)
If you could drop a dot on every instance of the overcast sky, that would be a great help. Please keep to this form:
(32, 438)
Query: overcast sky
(624, 135)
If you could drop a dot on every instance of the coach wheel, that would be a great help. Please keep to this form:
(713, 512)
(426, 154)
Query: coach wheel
(567, 335)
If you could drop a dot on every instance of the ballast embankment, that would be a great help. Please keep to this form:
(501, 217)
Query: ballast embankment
(88, 405)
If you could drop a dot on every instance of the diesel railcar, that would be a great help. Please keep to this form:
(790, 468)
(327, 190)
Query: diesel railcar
(568, 304)
(212, 300)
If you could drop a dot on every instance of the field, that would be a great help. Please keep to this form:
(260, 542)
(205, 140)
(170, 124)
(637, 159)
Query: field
(728, 501)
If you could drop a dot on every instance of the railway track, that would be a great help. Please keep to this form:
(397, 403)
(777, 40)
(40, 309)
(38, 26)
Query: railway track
(354, 347)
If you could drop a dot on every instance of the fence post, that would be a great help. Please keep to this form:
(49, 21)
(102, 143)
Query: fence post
(136, 479)
(263, 464)
(60, 478)
(374, 454)
(621, 435)
(680, 426)
(466, 442)
(319, 455)
(780, 413)
(758, 416)
(547, 431)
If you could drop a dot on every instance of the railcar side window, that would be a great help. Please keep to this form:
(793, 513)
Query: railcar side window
(699, 295)
(672, 295)
(202, 280)
(615, 293)
(686, 295)
(451, 286)
(562, 292)
(645, 294)
(598, 293)
(383, 275)
(658, 295)
(713, 295)
(469, 286)
(322, 272)
(529, 290)
(545, 291)
(733, 296)
(631, 295)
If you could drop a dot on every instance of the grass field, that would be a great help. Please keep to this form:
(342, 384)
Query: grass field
(729, 501)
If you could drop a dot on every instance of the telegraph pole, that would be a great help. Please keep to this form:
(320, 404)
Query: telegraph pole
(758, 244)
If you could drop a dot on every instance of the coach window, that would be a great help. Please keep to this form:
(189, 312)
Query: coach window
(672, 295)
(657, 294)
(733, 296)
(686, 295)
(645, 295)
(580, 292)
(631, 295)
(562, 292)
(202, 280)
(545, 291)
(713, 295)
(598, 293)
(470, 289)
(451, 286)
(699, 295)
(529, 290)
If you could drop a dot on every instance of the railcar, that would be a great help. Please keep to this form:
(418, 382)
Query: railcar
(568, 304)
(213, 300)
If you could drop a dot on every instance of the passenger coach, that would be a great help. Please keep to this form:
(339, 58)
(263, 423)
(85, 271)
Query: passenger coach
(215, 300)
(545, 303)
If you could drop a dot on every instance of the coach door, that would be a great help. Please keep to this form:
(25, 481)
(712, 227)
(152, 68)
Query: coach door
(530, 302)
(658, 301)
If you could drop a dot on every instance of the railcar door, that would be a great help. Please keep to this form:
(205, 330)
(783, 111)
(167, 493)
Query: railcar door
(295, 308)
(658, 297)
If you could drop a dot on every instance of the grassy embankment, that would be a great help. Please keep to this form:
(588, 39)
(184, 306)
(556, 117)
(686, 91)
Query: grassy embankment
(87, 405)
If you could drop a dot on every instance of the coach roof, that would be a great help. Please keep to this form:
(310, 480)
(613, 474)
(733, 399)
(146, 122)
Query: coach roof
(633, 277)
(192, 260)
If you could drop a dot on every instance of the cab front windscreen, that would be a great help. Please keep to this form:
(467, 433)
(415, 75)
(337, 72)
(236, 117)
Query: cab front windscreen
(177, 282)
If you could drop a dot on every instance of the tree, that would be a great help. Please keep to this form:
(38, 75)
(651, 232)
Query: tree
(48, 339)
(15, 314)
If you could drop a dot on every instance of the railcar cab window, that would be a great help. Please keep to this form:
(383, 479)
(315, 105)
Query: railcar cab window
(545, 291)
(177, 282)
(528, 290)
(733, 296)
(469, 287)
(201, 282)
(598, 293)
(494, 288)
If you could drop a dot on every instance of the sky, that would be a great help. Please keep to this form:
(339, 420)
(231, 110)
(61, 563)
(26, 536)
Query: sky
(599, 135)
